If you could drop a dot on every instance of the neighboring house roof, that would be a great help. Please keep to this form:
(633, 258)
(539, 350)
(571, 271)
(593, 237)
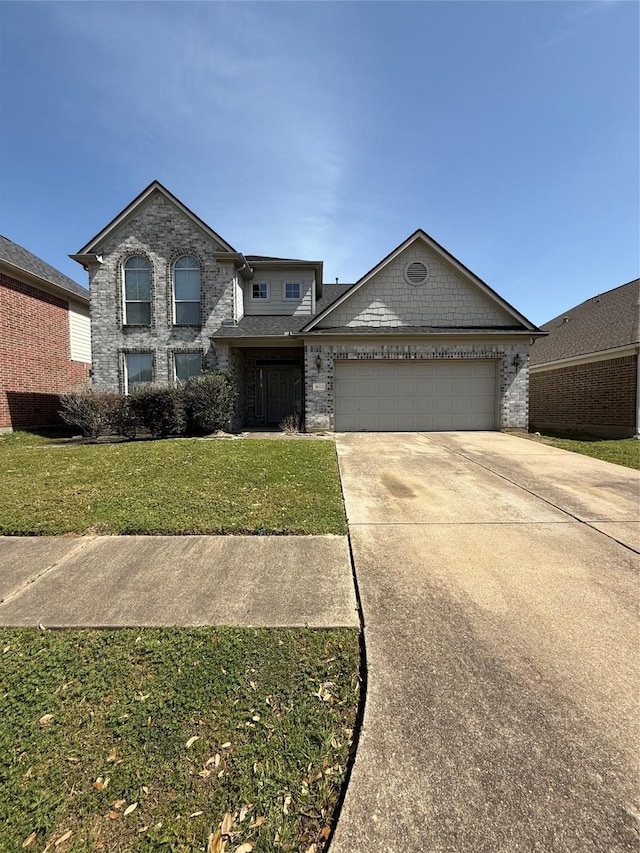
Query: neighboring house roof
(18, 259)
(277, 325)
(131, 209)
(605, 322)
(439, 250)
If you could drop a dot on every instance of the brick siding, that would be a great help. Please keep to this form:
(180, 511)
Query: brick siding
(34, 355)
(597, 398)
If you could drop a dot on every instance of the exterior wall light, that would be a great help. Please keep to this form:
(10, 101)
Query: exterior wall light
(318, 363)
(516, 360)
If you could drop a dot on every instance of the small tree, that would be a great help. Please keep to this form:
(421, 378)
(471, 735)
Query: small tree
(209, 402)
(159, 408)
(84, 408)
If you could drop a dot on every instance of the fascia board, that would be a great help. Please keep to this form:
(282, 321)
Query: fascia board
(44, 284)
(586, 358)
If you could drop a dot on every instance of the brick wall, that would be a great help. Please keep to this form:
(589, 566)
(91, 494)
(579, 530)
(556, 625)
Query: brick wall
(597, 398)
(34, 355)
(513, 382)
(161, 233)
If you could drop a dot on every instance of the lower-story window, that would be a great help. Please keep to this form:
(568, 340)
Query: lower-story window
(138, 369)
(187, 365)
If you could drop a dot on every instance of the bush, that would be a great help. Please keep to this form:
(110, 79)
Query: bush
(120, 415)
(159, 409)
(209, 402)
(85, 408)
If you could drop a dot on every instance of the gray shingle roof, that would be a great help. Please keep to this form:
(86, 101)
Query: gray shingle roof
(263, 326)
(601, 323)
(24, 260)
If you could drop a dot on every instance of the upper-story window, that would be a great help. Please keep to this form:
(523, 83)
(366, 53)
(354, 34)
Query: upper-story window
(260, 291)
(137, 291)
(186, 292)
(291, 290)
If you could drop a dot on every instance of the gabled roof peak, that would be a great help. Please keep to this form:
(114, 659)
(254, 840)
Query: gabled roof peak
(154, 187)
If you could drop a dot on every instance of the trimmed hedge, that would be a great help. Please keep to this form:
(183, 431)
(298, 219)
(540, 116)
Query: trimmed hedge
(204, 405)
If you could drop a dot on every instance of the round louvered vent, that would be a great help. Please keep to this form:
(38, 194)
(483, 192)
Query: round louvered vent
(416, 273)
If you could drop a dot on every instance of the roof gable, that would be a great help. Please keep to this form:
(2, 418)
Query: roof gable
(604, 322)
(154, 188)
(452, 296)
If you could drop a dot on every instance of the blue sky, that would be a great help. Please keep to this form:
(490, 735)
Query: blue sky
(509, 131)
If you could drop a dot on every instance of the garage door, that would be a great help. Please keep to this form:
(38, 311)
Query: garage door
(387, 396)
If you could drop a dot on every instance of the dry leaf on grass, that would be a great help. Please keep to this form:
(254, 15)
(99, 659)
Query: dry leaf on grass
(247, 847)
(29, 839)
(46, 720)
(286, 804)
(130, 809)
(196, 814)
(227, 823)
(311, 849)
(257, 822)
(216, 844)
(325, 832)
(114, 815)
(244, 811)
(191, 741)
(226, 745)
(67, 835)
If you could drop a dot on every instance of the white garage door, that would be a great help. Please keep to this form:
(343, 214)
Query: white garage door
(389, 396)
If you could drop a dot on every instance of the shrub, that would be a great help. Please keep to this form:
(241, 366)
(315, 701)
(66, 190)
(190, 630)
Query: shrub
(209, 401)
(85, 408)
(120, 415)
(159, 409)
(291, 425)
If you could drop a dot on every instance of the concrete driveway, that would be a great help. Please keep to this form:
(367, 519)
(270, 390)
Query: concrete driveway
(498, 581)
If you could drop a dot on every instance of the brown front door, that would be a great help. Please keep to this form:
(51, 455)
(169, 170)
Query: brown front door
(279, 393)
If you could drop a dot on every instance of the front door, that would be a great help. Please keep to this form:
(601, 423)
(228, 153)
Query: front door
(280, 394)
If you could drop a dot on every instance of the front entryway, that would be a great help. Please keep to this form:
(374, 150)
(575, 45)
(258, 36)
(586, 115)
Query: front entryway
(279, 393)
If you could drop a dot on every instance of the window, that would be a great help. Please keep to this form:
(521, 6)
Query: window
(186, 292)
(138, 368)
(260, 291)
(188, 365)
(137, 292)
(291, 290)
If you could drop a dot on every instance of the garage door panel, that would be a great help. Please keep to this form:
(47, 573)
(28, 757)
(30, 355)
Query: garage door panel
(415, 395)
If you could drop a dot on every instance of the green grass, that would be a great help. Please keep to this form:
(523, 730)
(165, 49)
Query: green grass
(622, 451)
(92, 722)
(169, 487)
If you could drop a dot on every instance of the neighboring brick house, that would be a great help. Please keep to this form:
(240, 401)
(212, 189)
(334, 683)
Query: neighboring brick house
(44, 338)
(418, 343)
(584, 374)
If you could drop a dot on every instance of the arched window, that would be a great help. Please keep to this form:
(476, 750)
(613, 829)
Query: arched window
(137, 292)
(186, 292)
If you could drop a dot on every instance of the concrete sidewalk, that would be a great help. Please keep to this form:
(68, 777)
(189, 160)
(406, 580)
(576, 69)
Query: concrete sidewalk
(501, 634)
(118, 581)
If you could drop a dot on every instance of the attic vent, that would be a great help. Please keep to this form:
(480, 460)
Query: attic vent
(416, 273)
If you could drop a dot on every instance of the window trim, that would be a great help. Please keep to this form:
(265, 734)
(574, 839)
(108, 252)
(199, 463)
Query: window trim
(297, 284)
(125, 301)
(174, 301)
(179, 352)
(264, 284)
(125, 368)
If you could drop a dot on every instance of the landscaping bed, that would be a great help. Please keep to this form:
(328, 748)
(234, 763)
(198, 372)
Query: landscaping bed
(173, 739)
(173, 486)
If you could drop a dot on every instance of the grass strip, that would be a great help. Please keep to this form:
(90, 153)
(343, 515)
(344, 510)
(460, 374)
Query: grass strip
(144, 739)
(169, 487)
(621, 451)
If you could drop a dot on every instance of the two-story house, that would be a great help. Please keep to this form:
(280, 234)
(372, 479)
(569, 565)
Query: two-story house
(418, 343)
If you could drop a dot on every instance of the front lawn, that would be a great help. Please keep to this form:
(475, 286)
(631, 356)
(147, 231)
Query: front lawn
(143, 740)
(622, 451)
(169, 487)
